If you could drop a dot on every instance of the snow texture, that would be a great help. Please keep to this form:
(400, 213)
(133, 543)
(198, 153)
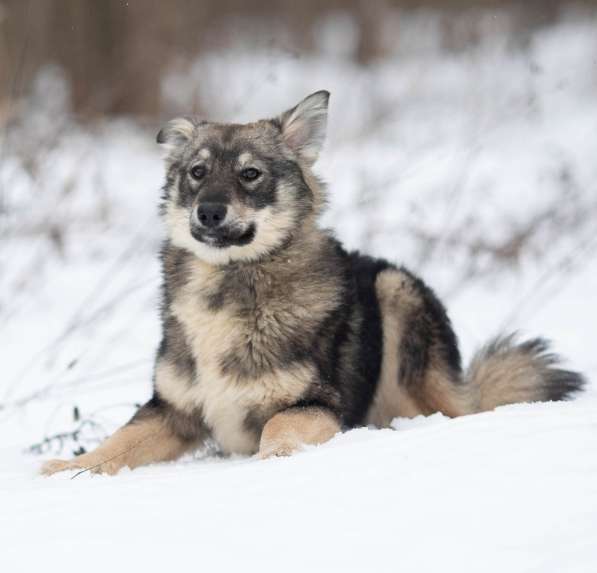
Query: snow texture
(476, 169)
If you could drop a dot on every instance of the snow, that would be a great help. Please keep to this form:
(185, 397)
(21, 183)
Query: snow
(511, 490)
(429, 153)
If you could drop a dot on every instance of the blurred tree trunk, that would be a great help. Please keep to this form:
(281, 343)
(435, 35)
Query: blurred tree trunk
(104, 46)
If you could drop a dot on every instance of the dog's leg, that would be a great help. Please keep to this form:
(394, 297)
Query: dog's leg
(146, 439)
(288, 431)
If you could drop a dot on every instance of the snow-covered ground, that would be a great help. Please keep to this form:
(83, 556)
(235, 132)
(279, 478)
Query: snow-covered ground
(478, 170)
(512, 490)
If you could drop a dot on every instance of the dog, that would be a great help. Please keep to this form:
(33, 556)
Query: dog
(274, 336)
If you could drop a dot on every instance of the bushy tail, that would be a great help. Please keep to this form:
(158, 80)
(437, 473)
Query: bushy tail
(506, 371)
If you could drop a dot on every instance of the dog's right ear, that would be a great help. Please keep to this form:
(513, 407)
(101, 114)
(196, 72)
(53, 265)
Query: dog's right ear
(176, 133)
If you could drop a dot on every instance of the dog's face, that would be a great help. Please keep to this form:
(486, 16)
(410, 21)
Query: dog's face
(238, 192)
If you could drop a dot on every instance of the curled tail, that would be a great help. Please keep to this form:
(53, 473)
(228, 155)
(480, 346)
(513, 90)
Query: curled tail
(506, 371)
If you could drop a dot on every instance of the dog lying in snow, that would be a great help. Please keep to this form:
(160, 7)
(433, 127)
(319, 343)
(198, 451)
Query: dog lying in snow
(274, 336)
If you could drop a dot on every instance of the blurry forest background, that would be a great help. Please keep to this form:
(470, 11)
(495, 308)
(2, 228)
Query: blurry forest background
(115, 53)
(462, 142)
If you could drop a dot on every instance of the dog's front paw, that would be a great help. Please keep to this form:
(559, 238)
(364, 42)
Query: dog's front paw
(54, 466)
(92, 464)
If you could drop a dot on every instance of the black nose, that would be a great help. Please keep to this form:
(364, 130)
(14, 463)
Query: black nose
(211, 214)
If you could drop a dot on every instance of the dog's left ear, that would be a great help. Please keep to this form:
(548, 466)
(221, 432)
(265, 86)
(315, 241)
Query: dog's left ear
(304, 126)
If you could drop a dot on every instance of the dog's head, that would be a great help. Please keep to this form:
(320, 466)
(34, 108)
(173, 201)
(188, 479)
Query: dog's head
(238, 192)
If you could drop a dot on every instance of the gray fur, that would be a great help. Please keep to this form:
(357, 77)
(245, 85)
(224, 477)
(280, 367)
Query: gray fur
(268, 323)
(303, 127)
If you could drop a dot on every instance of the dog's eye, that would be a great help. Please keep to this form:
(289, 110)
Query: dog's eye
(198, 172)
(250, 174)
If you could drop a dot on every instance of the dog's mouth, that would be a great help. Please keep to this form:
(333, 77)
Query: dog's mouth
(226, 236)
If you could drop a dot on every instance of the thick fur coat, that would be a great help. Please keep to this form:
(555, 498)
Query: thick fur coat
(273, 335)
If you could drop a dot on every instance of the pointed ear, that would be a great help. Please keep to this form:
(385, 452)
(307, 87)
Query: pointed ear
(304, 126)
(176, 133)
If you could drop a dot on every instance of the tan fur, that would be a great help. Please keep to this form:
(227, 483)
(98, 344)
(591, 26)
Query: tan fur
(144, 442)
(204, 153)
(441, 394)
(438, 392)
(288, 431)
(317, 189)
(245, 158)
(261, 314)
(391, 400)
(506, 377)
(225, 401)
